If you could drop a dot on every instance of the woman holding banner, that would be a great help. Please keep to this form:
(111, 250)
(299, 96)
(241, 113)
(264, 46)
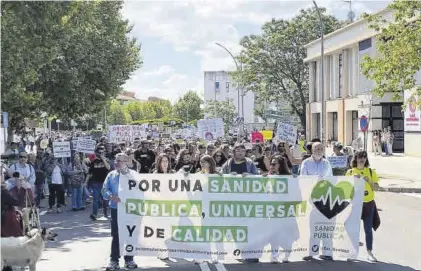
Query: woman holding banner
(370, 216)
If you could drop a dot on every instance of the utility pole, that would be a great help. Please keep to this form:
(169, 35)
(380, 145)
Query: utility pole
(239, 87)
(322, 56)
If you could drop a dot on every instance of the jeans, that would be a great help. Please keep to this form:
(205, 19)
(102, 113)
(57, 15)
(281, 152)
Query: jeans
(96, 195)
(77, 195)
(368, 228)
(115, 243)
(389, 148)
(295, 169)
(56, 191)
(39, 190)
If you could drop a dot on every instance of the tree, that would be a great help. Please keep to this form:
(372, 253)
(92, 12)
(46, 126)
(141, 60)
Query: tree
(63, 58)
(398, 45)
(221, 109)
(273, 62)
(149, 109)
(117, 114)
(188, 107)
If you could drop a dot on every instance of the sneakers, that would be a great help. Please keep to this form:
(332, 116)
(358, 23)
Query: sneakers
(130, 265)
(274, 260)
(308, 258)
(113, 266)
(371, 257)
(93, 217)
(58, 210)
(326, 258)
(50, 210)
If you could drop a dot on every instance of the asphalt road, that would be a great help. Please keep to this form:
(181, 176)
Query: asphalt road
(85, 246)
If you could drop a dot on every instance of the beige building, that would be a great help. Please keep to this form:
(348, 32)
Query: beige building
(348, 92)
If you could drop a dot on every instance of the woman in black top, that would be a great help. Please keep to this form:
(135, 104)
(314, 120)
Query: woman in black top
(258, 158)
(219, 157)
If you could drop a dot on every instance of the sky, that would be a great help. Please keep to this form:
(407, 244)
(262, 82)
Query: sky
(178, 37)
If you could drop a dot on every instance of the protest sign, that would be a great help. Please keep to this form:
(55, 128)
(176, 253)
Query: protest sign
(210, 129)
(287, 133)
(86, 146)
(256, 136)
(267, 135)
(338, 161)
(120, 133)
(232, 217)
(61, 149)
(44, 144)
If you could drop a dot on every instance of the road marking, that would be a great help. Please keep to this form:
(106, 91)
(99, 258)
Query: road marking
(204, 266)
(413, 195)
(43, 213)
(220, 267)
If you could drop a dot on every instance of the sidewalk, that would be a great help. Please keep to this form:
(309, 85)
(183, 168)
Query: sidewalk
(398, 173)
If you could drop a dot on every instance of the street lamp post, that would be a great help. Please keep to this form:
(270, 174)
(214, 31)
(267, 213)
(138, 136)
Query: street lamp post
(239, 88)
(322, 122)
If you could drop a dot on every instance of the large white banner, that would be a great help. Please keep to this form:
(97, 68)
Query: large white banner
(120, 133)
(230, 217)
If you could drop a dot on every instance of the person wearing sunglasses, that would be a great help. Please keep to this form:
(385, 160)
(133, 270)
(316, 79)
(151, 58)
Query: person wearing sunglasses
(219, 158)
(26, 171)
(371, 220)
(98, 170)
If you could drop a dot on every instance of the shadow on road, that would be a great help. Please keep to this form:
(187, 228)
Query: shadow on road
(315, 265)
(74, 226)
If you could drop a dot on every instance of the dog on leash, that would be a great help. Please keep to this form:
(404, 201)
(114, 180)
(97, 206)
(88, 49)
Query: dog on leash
(25, 250)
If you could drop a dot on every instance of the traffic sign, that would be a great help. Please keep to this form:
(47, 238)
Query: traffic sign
(363, 123)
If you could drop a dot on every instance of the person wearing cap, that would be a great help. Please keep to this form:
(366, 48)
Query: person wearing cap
(110, 194)
(26, 171)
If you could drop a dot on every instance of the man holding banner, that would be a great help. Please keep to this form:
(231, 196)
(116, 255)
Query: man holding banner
(110, 192)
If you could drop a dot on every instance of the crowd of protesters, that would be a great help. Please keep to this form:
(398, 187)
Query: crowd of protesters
(93, 178)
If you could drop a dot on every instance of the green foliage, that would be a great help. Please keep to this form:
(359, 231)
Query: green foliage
(221, 109)
(273, 66)
(188, 107)
(117, 115)
(165, 121)
(141, 110)
(399, 56)
(63, 58)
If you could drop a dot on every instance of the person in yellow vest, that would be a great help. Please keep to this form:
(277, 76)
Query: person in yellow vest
(360, 168)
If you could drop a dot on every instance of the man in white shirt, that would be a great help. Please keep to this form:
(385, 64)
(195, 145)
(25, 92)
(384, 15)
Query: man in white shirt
(26, 171)
(316, 165)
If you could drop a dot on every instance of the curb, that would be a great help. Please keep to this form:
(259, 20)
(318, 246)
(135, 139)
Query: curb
(400, 189)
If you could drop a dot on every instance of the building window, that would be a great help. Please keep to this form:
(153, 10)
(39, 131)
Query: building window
(334, 135)
(364, 45)
(340, 75)
(331, 77)
(315, 81)
(355, 125)
(216, 86)
(227, 86)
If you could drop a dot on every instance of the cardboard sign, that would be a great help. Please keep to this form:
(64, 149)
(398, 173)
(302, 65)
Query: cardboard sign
(287, 133)
(61, 149)
(267, 135)
(86, 146)
(338, 161)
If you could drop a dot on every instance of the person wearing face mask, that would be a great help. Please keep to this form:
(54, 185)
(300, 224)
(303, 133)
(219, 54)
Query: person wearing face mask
(316, 164)
(110, 194)
(371, 220)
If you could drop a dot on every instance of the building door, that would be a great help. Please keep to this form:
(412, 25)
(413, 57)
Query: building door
(393, 116)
